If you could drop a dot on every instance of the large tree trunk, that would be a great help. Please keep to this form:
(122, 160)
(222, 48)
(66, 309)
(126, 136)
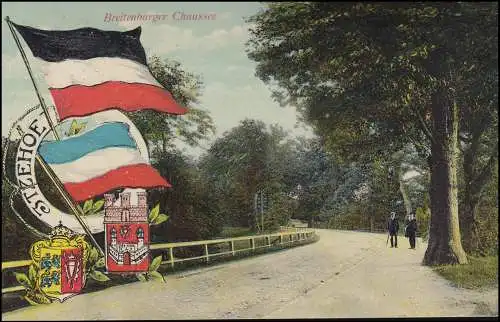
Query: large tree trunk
(467, 213)
(468, 223)
(475, 181)
(444, 246)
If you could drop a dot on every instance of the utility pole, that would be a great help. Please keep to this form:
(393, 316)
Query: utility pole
(259, 208)
(262, 210)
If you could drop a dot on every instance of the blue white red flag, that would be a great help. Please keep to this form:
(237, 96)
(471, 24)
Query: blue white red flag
(102, 157)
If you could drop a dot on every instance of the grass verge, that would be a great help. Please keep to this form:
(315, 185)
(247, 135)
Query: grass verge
(480, 273)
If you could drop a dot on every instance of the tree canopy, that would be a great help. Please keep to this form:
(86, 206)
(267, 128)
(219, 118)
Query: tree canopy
(373, 77)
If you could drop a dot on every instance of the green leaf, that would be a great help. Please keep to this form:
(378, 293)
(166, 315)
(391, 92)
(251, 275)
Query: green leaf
(30, 300)
(155, 264)
(141, 277)
(100, 263)
(154, 213)
(157, 275)
(32, 274)
(72, 128)
(87, 206)
(99, 276)
(75, 128)
(93, 256)
(98, 205)
(36, 297)
(161, 218)
(41, 298)
(23, 280)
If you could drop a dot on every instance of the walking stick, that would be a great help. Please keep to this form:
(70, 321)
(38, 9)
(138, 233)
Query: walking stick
(387, 242)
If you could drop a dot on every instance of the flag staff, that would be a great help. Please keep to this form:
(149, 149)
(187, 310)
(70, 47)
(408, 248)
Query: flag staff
(77, 210)
(26, 63)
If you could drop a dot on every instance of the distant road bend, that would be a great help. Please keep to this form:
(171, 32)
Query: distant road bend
(345, 274)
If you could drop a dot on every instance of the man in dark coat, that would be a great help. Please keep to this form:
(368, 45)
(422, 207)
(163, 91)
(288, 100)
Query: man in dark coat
(411, 230)
(393, 227)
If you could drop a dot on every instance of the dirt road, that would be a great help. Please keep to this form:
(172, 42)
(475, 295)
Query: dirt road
(345, 274)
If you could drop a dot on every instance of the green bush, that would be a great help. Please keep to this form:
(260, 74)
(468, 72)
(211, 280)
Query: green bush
(487, 219)
(423, 220)
(190, 204)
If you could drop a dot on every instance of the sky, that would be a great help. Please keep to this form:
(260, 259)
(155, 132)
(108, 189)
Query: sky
(214, 49)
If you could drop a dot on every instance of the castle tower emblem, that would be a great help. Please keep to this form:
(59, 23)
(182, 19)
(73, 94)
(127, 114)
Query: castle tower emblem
(127, 233)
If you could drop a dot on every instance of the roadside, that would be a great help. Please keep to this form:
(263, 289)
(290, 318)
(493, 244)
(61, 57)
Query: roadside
(480, 273)
(391, 283)
(344, 274)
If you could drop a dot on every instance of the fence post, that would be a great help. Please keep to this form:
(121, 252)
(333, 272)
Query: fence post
(268, 239)
(171, 255)
(232, 247)
(206, 252)
(252, 243)
(281, 239)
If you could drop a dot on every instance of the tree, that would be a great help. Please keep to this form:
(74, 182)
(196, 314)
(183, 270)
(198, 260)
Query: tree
(237, 162)
(372, 77)
(191, 204)
(247, 159)
(160, 129)
(316, 176)
(479, 143)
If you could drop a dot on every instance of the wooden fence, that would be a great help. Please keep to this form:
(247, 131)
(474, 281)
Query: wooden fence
(286, 236)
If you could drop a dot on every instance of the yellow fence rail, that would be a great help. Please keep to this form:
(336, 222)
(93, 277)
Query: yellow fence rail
(285, 237)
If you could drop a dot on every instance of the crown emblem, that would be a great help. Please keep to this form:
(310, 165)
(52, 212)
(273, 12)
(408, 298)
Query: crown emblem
(61, 231)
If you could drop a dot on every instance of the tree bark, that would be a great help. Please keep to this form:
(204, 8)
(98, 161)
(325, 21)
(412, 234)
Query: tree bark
(474, 186)
(467, 211)
(468, 223)
(475, 180)
(445, 246)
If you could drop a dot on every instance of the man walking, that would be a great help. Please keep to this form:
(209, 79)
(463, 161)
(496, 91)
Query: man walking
(393, 227)
(411, 230)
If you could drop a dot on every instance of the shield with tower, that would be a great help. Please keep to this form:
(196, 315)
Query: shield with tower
(127, 232)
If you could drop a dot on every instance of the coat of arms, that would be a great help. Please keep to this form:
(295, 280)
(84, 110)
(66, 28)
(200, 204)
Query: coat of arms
(61, 263)
(127, 233)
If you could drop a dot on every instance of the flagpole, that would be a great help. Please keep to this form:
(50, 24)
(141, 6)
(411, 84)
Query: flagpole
(26, 63)
(77, 210)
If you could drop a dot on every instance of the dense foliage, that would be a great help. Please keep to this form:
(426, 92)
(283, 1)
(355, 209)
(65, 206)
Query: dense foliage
(374, 77)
